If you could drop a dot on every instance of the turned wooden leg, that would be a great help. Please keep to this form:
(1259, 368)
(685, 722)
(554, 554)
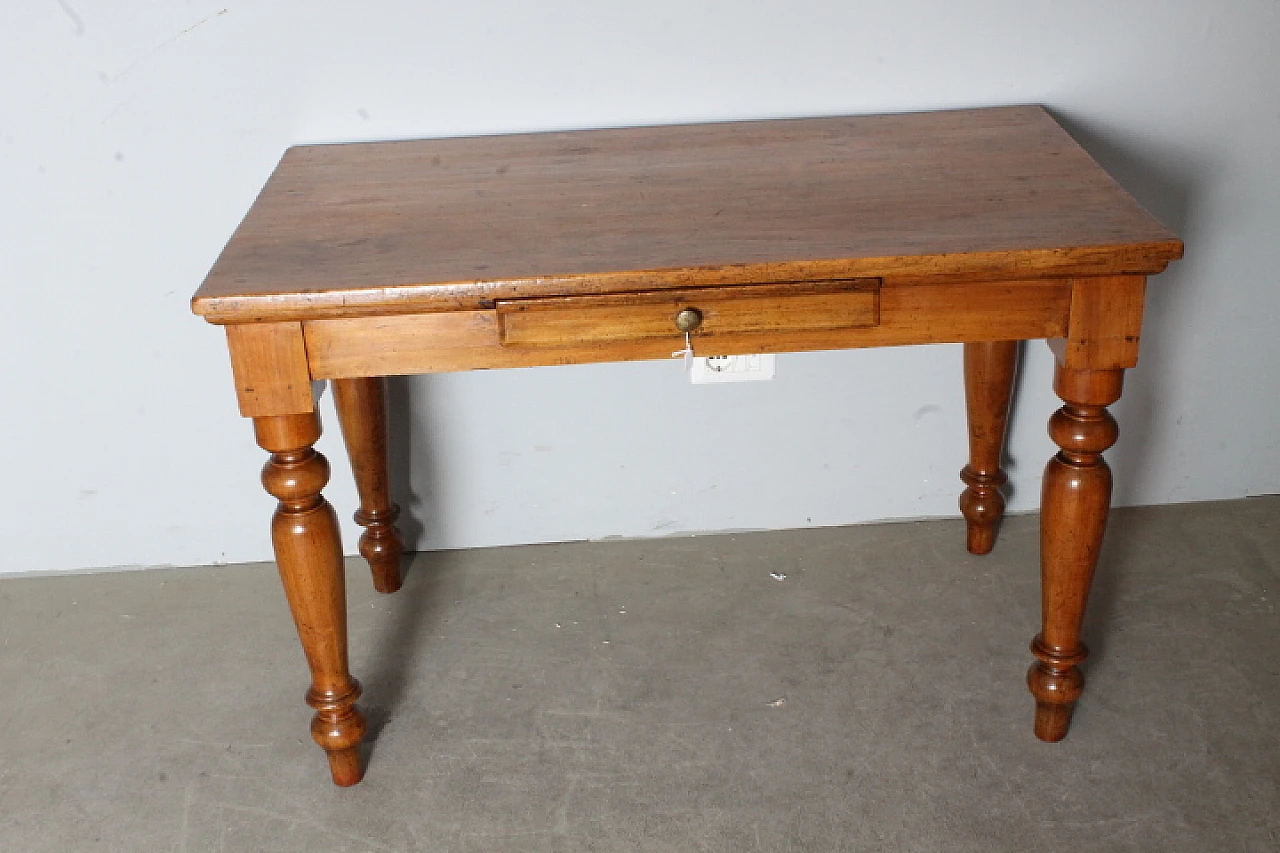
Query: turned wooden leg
(362, 413)
(1075, 501)
(989, 368)
(308, 549)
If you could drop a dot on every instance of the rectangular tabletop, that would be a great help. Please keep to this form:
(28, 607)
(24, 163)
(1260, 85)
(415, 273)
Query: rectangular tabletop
(454, 224)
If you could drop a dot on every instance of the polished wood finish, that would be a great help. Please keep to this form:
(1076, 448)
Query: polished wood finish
(1103, 336)
(362, 413)
(1105, 328)
(1074, 502)
(750, 309)
(453, 224)
(989, 369)
(471, 340)
(982, 227)
(304, 531)
(269, 363)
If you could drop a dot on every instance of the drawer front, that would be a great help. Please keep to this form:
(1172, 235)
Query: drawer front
(704, 312)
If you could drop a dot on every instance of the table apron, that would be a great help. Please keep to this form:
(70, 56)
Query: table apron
(471, 340)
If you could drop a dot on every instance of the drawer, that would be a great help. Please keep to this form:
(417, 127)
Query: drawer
(705, 312)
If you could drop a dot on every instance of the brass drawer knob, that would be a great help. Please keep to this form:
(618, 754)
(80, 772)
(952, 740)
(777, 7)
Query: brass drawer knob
(688, 319)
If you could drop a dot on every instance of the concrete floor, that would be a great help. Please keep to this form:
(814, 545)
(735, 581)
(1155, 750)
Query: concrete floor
(665, 695)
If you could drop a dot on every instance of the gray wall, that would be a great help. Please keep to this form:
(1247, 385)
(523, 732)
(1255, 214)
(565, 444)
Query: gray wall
(134, 136)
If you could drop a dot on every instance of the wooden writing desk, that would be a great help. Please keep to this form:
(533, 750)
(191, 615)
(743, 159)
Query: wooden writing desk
(983, 227)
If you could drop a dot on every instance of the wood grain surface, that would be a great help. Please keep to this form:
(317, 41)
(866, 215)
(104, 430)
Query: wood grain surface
(454, 224)
(753, 308)
(471, 340)
(269, 363)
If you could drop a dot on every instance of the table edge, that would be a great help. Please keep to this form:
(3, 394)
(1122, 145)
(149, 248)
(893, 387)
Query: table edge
(1128, 259)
